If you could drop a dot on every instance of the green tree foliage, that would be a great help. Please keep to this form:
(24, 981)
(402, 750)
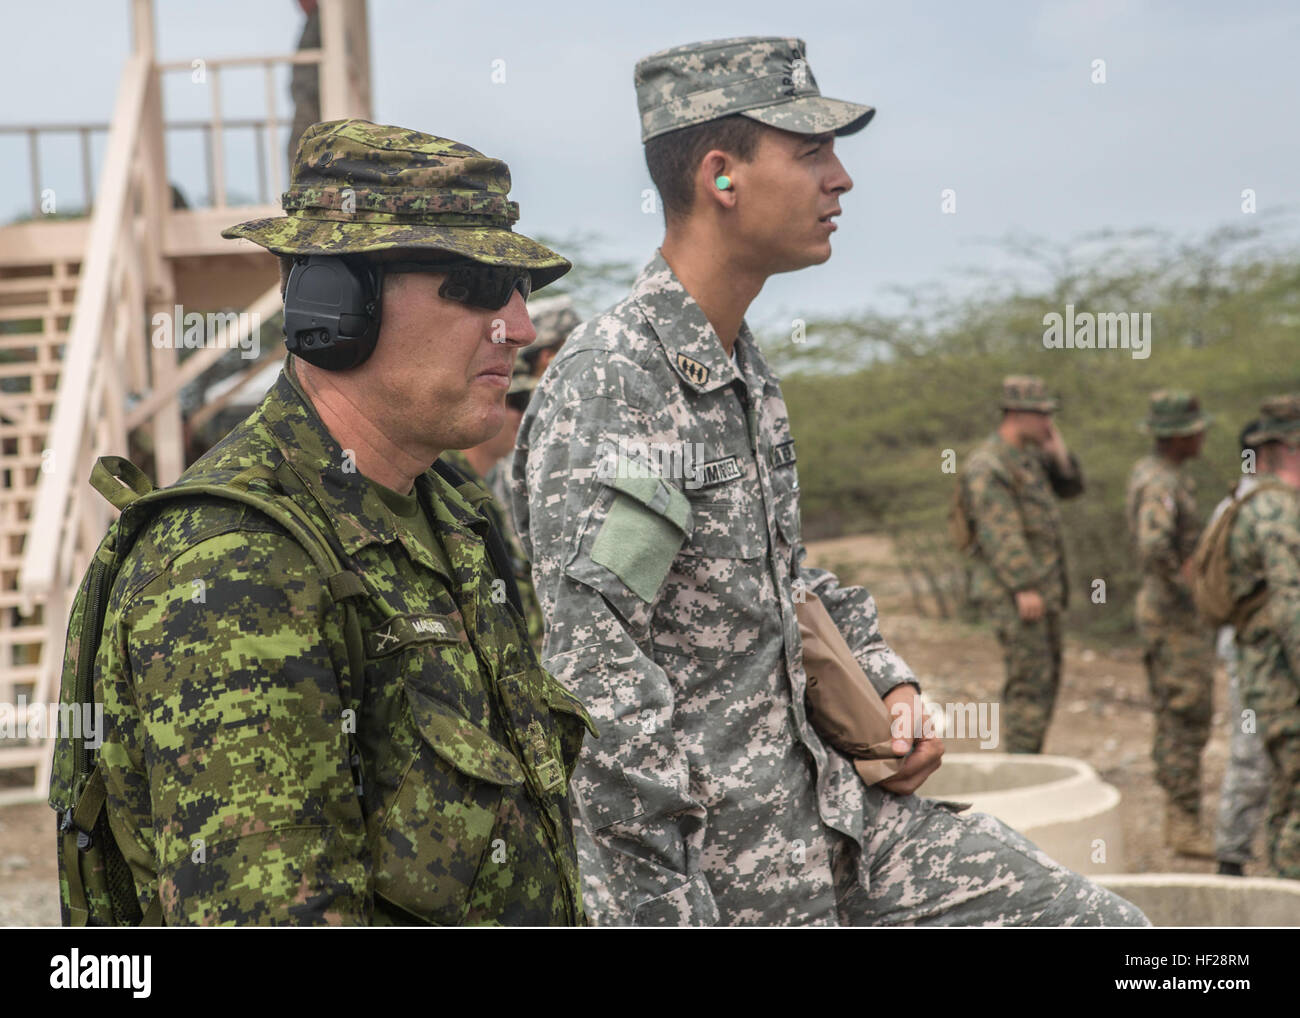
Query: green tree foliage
(876, 400)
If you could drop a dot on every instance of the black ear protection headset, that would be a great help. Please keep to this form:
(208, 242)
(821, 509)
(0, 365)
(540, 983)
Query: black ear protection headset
(332, 310)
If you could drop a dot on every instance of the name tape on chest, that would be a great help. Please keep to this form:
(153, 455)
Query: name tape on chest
(782, 455)
(403, 630)
(716, 472)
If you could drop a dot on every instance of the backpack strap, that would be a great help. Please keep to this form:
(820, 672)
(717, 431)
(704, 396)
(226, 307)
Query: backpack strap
(496, 545)
(127, 487)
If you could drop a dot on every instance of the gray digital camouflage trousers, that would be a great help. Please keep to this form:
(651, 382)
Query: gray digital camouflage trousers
(929, 865)
(1246, 780)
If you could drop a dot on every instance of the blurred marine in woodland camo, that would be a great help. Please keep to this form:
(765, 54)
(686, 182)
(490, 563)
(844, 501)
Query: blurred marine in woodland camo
(1007, 495)
(225, 672)
(1160, 506)
(1264, 554)
(656, 488)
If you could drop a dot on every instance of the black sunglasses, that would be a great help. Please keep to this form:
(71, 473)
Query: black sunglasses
(473, 283)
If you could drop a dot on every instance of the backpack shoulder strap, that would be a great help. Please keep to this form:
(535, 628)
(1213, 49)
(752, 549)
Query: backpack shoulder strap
(496, 545)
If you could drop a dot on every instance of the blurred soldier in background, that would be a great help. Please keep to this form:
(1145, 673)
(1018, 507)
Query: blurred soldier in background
(483, 466)
(1264, 555)
(1246, 779)
(553, 318)
(1007, 494)
(1160, 506)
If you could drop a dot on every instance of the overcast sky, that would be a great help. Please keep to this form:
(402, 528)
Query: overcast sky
(992, 100)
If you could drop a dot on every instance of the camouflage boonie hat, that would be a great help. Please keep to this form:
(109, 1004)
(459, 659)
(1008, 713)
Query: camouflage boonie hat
(765, 78)
(553, 318)
(1026, 392)
(360, 188)
(1174, 413)
(1279, 421)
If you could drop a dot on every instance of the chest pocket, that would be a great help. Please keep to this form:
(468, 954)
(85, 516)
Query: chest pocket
(727, 508)
(1037, 506)
(437, 829)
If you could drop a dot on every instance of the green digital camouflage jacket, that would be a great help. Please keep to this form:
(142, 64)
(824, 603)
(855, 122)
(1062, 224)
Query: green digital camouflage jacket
(488, 502)
(230, 711)
(1160, 506)
(1264, 548)
(1009, 496)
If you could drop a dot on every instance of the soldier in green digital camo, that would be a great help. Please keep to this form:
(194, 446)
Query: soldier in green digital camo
(224, 668)
(1008, 491)
(656, 490)
(1264, 553)
(481, 464)
(1160, 507)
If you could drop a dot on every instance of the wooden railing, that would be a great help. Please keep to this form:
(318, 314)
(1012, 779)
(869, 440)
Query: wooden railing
(124, 276)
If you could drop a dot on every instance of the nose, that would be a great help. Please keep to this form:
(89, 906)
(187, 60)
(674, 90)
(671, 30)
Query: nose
(512, 322)
(839, 181)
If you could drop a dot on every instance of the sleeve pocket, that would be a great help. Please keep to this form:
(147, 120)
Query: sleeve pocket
(646, 526)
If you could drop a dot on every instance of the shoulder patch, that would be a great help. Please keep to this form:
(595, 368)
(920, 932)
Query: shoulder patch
(782, 455)
(692, 370)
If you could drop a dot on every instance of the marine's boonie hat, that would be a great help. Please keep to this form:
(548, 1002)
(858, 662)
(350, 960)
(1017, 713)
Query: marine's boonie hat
(362, 188)
(1279, 421)
(553, 318)
(764, 78)
(1026, 392)
(1174, 413)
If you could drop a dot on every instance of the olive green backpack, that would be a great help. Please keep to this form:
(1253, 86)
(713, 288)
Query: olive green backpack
(95, 883)
(1209, 570)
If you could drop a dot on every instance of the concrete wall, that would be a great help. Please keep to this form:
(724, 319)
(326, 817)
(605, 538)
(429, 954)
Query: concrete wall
(1194, 899)
(1057, 802)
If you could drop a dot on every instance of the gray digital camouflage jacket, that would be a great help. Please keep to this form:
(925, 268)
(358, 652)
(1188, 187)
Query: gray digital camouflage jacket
(656, 491)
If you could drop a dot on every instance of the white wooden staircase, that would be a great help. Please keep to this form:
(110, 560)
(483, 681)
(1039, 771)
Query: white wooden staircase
(79, 376)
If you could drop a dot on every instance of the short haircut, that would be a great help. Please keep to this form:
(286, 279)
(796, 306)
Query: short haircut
(674, 157)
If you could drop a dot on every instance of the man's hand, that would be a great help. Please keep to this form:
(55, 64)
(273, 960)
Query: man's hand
(904, 704)
(1055, 446)
(1029, 603)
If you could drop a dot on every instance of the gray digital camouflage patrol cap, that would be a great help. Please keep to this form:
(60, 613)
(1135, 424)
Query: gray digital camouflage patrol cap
(765, 78)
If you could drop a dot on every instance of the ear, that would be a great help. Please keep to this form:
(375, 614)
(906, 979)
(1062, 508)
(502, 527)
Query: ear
(715, 164)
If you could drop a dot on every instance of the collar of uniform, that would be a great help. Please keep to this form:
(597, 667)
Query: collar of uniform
(693, 347)
(1012, 452)
(475, 492)
(755, 372)
(357, 515)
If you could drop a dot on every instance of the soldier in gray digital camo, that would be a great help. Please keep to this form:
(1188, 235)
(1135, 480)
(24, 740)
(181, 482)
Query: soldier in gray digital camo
(554, 318)
(1244, 794)
(655, 489)
(1008, 491)
(258, 771)
(481, 464)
